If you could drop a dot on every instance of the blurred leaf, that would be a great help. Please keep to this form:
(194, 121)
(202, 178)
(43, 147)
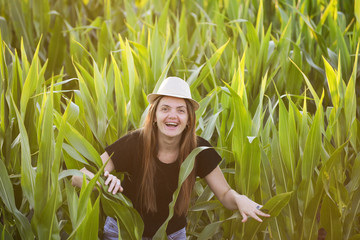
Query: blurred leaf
(21, 23)
(354, 210)
(330, 219)
(357, 12)
(105, 43)
(7, 197)
(195, 81)
(57, 46)
(206, 206)
(350, 104)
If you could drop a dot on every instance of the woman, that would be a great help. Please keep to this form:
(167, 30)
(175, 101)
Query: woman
(152, 157)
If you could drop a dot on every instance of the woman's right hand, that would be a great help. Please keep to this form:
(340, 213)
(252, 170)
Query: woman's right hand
(113, 182)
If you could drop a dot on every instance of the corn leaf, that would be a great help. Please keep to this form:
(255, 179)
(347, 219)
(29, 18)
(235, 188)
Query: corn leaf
(273, 207)
(7, 197)
(27, 171)
(185, 169)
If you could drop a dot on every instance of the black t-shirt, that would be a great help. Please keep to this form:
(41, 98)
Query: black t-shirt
(127, 157)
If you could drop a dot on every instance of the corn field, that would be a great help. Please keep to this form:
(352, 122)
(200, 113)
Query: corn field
(279, 89)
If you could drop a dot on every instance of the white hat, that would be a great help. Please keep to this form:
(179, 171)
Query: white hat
(173, 87)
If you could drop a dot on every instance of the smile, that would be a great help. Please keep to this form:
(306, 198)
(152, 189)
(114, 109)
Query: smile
(171, 124)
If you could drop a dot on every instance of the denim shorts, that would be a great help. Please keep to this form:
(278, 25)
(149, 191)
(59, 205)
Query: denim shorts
(111, 231)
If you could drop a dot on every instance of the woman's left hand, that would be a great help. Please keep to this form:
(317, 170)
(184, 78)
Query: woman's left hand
(249, 208)
(231, 199)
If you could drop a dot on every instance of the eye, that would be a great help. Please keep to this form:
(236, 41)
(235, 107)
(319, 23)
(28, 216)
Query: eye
(164, 109)
(182, 111)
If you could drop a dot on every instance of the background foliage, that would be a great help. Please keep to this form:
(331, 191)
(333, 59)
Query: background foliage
(278, 86)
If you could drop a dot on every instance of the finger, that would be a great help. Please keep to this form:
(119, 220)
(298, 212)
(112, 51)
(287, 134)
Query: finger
(106, 173)
(110, 177)
(244, 217)
(254, 216)
(121, 189)
(117, 187)
(262, 214)
(112, 184)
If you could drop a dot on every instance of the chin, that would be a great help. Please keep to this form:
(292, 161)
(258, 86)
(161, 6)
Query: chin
(173, 134)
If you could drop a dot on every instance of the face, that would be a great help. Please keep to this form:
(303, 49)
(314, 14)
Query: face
(171, 117)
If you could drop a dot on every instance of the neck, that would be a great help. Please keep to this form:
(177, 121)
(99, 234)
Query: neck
(168, 144)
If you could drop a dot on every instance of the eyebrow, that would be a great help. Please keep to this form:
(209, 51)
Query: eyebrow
(165, 105)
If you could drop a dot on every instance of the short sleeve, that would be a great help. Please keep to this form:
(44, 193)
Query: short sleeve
(207, 160)
(125, 152)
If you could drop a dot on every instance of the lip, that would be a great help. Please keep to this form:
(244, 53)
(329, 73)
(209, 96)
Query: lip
(172, 124)
(169, 126)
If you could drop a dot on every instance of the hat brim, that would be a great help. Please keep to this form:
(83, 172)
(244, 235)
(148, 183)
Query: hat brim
(152, 96)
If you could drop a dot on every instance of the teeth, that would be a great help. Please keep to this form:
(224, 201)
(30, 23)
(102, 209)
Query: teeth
(171, 124)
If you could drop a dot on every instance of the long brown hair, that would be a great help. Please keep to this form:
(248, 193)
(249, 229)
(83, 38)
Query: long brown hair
(147, 198)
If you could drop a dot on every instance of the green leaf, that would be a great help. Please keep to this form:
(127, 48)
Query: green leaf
(31, 82)
(330, 219)
(41, 13)
(334, 84)
(20, 21)
(353, 213)
(206, 205)
(121, 110)
(196, 81)
(350, 103)
(90, 227)
(79, 215)
(27, 171)
(105, 43)
(308, 84)
(311, 155)
(285, 141)
(45, 156)
(81, 144)
(101, 113)
(57, 46)
(7, 197)
(185, 169)
(249, 176)
(357, 12)
(273, 207)
(129, 219)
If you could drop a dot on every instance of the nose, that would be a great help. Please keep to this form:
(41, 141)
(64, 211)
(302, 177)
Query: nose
(172, 114)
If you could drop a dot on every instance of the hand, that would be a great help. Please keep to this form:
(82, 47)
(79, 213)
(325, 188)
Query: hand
(249, 208)
(115, 184)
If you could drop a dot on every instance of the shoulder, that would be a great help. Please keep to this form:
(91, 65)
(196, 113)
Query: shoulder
(131, 136)
(201, 142)
(207, 160)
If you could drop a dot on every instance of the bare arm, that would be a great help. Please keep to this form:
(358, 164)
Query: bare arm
(231, 199)
(114, 182)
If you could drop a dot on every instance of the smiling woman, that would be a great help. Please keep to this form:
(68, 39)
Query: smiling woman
(152, 157)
